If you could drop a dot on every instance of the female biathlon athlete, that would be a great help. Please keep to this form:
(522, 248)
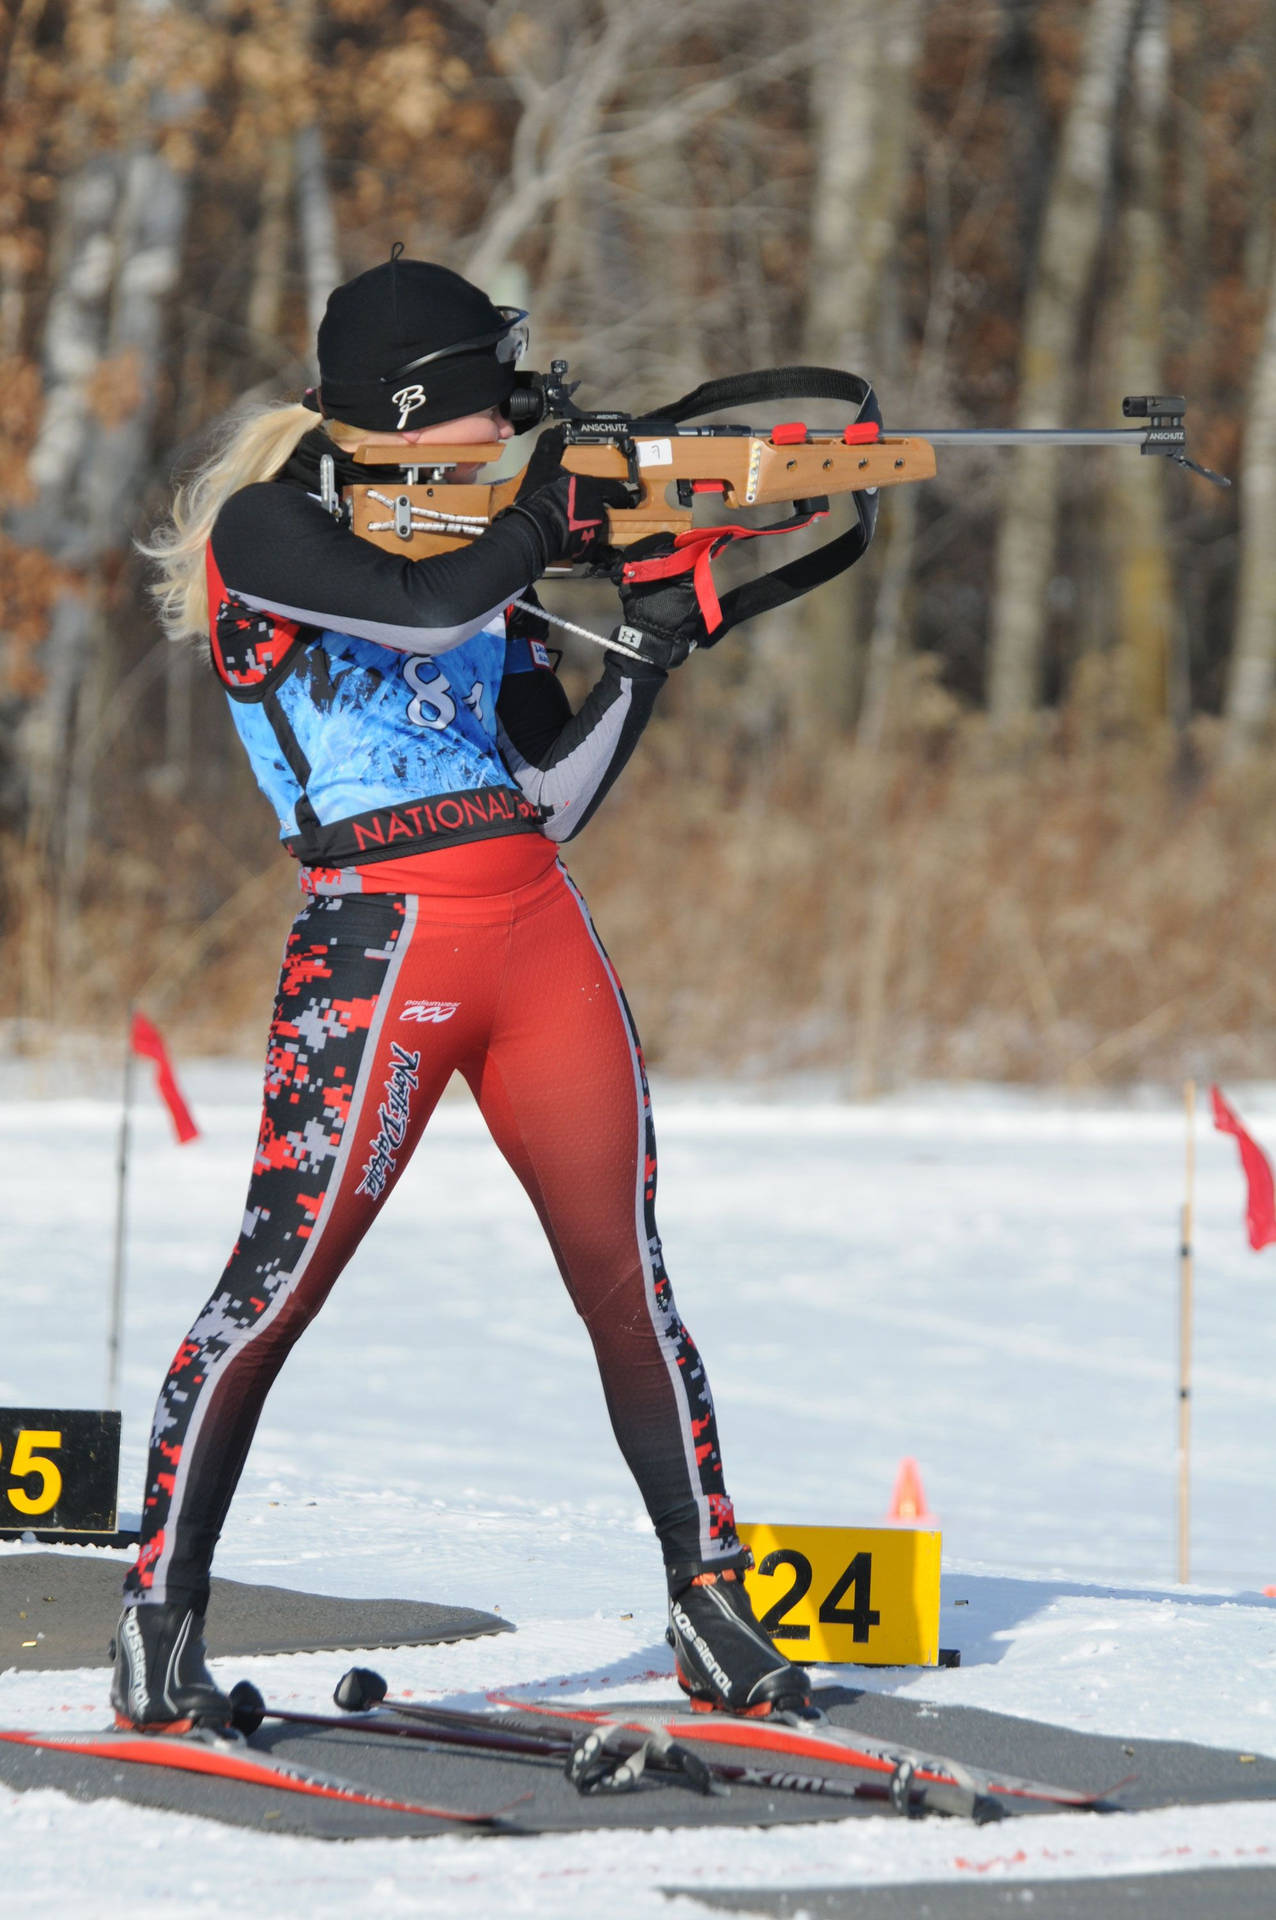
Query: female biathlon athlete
(406, 723)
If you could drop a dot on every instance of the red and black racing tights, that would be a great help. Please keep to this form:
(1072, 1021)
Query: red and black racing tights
(381, 998)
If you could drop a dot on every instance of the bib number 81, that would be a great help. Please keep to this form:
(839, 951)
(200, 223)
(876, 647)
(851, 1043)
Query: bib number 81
(29, 1461)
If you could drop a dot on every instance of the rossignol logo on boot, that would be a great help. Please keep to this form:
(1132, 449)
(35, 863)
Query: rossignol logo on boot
(685, 1628)
(393, 1114)
(135, 1656)
(407, 400)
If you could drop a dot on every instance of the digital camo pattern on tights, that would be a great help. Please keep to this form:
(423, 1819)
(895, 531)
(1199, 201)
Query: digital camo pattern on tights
(317, 1042)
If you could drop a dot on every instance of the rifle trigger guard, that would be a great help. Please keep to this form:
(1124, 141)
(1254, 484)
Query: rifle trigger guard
(628, 446)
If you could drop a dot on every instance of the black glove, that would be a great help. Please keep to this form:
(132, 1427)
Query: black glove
(568, 510)
(663, 621)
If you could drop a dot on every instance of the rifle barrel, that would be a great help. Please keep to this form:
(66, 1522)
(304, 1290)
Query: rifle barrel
(1022, 436)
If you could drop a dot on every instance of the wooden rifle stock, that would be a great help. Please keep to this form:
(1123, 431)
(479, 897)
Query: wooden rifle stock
(419, 517)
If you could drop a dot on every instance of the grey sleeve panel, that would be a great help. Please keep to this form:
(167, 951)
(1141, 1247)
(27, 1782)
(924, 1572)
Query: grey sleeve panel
(385, 633)
(590, 751)
(567, 789)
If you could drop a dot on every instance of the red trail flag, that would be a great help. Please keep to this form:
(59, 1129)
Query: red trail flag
(1260, 1212)
(146, 1040)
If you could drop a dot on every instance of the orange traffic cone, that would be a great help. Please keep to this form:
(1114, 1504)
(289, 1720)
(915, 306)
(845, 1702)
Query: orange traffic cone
(908, 1501)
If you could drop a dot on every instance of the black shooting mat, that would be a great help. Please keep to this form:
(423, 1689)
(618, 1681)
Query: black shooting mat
(60, 1610)
(1168, 1773)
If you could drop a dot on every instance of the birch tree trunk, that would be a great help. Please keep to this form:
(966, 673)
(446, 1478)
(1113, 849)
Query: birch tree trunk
(270, 252)
(316, 221)
(1253, 668)
(889, 617)
(74, 330)
(74, 345)
(665, 261)
(1263, 167)
(1070, 237)
(149, 232)
(1193, 198)
(852, 206)
(109, 485)
(1141, 557)
(118, 256)
(861, 127)
(321, 259)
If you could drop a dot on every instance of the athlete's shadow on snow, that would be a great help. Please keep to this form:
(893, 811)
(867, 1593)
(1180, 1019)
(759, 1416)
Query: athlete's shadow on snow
(978, 1617)
(979, 1612)
(620, 1679)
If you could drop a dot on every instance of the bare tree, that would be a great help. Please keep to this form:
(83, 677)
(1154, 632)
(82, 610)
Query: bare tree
(597, 95)
(1070, 237)
(862, 79)
(862, 82)
(320, 257)
(1141, 559)
(1263, 163)
(270, 250)
(1253, 665)
(121, 225)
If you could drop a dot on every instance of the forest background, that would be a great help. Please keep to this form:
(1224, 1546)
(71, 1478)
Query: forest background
(999, 804)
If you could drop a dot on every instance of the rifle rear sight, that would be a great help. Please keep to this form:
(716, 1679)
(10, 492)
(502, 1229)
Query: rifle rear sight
(1154, 406)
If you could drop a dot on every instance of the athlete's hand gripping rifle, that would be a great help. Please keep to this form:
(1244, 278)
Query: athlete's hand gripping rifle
(668, 464)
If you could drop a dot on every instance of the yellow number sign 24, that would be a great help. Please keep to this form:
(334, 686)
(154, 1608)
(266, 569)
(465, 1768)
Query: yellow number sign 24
(862, 1595)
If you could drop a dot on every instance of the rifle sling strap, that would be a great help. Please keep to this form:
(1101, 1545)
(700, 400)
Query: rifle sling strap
(782, 584)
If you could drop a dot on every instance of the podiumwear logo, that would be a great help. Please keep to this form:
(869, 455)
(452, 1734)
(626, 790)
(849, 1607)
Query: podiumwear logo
(393, 1113)
(435, 1011)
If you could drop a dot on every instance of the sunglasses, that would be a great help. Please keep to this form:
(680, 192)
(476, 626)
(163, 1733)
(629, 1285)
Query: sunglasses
(509, 342)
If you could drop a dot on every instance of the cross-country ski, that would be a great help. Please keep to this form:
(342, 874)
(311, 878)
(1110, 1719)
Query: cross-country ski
(219, 1758)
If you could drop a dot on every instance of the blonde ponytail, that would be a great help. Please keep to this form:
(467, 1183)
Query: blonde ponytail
(253, 447)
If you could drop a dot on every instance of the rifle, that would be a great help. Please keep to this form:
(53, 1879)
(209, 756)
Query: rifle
(667, 464)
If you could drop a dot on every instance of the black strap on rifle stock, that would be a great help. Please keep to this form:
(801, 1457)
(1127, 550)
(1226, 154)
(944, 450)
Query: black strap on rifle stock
(782, 584)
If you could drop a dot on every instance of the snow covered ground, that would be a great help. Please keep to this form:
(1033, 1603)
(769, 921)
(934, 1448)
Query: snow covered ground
(984, 1281)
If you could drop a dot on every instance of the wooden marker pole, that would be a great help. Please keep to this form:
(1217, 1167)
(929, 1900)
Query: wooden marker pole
(121, 1222)
(1185, 1337)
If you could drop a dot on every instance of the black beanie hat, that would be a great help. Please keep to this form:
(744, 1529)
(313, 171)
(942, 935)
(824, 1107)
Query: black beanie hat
(377, 325)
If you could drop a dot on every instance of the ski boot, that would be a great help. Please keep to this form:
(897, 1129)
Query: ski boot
(723, 1659)
(161, 1684)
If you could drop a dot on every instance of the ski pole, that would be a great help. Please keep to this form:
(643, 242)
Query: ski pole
(363, 1691)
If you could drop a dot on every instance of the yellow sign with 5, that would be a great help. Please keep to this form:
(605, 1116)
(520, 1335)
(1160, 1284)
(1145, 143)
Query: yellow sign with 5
(862, 1595)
